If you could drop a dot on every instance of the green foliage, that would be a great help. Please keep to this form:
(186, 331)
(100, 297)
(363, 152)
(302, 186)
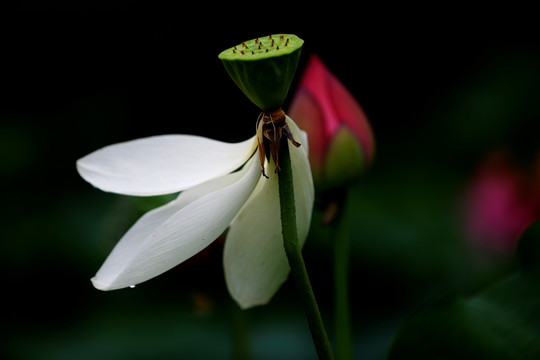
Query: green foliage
(498, 322)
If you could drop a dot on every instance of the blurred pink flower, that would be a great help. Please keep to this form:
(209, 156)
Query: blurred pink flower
(340, 137)
(501, 201)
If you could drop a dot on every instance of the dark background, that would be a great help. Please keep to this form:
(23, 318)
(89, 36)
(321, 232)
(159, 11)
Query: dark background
(442, 88)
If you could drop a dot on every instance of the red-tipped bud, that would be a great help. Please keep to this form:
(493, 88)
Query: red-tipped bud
(341, 142)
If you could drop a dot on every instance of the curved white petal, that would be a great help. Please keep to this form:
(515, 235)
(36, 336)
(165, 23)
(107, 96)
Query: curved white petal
(254, 259)
(162, 164)
(166, 236)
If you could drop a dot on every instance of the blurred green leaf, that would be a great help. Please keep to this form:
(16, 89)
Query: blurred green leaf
(500, 322)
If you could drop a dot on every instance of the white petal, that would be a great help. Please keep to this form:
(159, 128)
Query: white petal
(166, 236)
(304, 191)
(162, 164)
(254, 259)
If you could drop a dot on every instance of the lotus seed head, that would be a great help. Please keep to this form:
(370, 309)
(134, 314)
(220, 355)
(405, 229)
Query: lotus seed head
(263, 68)
(264, 47)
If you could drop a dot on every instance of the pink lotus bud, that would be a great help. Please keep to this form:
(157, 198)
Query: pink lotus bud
(501, 201)
(341, 142)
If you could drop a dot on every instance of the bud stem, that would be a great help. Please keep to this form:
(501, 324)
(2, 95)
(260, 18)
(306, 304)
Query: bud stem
(294, 255)
(343, 327)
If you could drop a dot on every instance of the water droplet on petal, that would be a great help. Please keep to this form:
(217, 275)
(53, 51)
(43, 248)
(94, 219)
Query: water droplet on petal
(132, 286)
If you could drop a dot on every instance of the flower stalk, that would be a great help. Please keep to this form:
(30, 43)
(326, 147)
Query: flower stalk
(294, 255)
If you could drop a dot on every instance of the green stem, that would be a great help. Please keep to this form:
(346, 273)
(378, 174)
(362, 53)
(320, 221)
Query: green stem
(239, 332)
(294, 255)
(343, 328)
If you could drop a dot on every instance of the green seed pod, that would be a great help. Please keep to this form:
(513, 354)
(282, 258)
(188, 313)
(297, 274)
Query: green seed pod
(264, 68)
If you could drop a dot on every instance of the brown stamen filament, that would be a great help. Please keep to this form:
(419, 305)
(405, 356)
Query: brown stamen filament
(271, 126)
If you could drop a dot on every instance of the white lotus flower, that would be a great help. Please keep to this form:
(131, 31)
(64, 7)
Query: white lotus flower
(221, 187)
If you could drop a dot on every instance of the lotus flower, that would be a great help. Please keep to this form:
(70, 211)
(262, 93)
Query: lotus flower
(501, 201)
(221, 187)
